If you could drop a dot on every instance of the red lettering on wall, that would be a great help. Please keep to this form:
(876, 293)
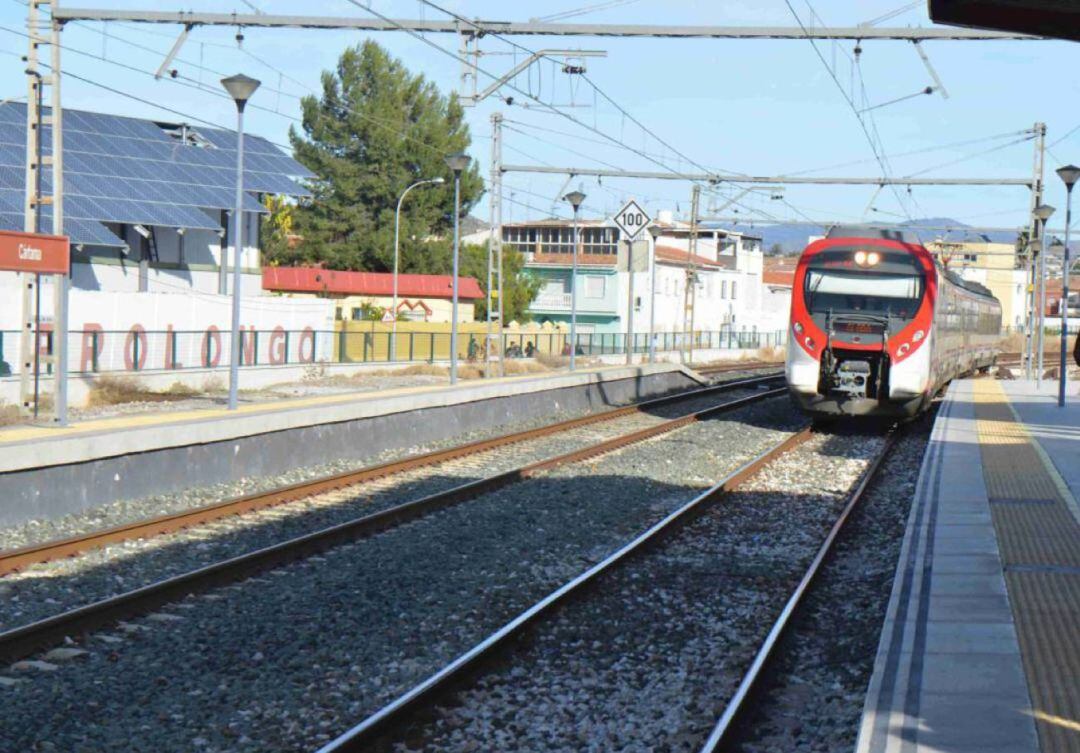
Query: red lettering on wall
(135, 348)
(211, 347)
(308, 335)
(247, 342)
(172, 359)
(93, 343)
(276, 346)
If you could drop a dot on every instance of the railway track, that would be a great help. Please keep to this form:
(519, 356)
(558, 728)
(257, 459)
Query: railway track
(402, 722)
(22, 641)
(726, 368)
(14, 560)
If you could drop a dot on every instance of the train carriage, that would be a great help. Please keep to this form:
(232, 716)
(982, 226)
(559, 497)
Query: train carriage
(878, 326)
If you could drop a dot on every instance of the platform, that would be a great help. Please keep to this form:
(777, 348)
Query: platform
(980, 650)
(46, 472)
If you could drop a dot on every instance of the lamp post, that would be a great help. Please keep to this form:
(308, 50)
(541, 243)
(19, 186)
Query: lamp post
(1042, 214)
(397, 239)
(240, 88)
(655, 231)
(456, 162)
(1069, 174)
(576, 199)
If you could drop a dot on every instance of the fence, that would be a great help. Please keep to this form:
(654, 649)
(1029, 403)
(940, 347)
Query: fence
(138, 350)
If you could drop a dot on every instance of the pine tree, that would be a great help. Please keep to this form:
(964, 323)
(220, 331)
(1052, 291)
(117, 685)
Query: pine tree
(376, 129)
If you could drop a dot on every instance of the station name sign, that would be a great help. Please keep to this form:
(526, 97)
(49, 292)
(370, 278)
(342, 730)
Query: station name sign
(35, 252)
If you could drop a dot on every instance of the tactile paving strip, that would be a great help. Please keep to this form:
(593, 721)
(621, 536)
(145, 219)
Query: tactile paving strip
(1039, 540)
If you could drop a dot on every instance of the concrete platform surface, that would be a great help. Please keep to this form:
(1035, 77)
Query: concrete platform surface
(980, 649)
(37, 446)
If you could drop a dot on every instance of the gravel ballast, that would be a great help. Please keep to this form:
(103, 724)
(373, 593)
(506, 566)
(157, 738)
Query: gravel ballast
(48, 588)
(130, 510)
(288, 660)
(648, 658)
(813, 699)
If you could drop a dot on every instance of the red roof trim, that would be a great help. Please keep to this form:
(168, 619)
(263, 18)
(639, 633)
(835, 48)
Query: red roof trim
(316, 280)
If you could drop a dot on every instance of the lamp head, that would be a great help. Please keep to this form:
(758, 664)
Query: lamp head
(438, 181)
(458, 162)
(1069, 174)
(576, 199)
(240, 88)
(1043, 212)
(655, 231)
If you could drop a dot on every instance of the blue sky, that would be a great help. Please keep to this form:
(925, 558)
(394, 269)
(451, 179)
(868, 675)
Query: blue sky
(757, 107)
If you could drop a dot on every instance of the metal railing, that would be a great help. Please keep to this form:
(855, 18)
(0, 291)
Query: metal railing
(137, 350)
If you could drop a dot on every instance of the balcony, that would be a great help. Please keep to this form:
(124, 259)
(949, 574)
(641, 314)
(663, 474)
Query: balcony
(552, 302)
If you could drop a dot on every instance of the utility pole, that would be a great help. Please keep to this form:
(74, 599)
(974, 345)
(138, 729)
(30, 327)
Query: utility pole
(496, 249)
(630, 303)
(689, 293)
(1033, 235)
(31, 359)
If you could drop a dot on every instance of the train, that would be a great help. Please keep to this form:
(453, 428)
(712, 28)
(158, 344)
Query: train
(878, 326)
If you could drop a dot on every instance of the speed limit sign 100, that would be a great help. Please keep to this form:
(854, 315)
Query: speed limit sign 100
(631, 219)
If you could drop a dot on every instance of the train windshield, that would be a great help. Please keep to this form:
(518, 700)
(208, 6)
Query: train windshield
(894, 295)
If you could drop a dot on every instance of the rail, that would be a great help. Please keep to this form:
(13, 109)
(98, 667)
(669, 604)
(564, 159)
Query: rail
(24, 640)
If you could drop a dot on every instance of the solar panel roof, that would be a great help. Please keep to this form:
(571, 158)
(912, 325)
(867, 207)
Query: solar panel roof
(135, 171)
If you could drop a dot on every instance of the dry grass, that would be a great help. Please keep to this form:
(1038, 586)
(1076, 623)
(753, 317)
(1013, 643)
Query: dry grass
(774, 354)
(552, 361)
(9, 414)
(115, 390)
(465, 371)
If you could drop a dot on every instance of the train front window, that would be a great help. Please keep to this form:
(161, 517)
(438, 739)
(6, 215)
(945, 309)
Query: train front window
(842, 291)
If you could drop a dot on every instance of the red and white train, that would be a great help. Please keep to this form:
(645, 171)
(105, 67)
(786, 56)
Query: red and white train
(879, 327)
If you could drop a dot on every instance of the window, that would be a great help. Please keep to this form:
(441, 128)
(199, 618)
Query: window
(594, 286)
(599, 240)
(723, 289)
(521, 239)
(556, 240)
(357, 314)
(732, 290)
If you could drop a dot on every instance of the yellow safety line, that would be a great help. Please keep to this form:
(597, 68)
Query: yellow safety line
(1051, 469)
(1059, 721)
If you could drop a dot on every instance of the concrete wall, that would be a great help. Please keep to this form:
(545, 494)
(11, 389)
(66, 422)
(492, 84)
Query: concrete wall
(57, 490)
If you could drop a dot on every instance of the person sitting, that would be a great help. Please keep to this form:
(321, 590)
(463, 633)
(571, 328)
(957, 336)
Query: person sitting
(530, 350)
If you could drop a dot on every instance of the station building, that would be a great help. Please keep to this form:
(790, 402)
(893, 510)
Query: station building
(148, 204)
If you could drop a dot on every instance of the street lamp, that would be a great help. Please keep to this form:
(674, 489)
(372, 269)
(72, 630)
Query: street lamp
(1069, 174)
(240, 88)
(1042, 214)
(456, 162)
(397, 237)
(576, 199)
(655, 231)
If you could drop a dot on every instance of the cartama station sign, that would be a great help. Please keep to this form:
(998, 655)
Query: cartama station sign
(35, 253)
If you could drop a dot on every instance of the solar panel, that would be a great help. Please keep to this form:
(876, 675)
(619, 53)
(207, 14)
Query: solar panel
(129, 170)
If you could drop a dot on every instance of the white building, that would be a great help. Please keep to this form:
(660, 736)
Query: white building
(730, 295)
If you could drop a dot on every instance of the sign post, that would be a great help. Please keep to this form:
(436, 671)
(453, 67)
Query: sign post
(631, 220)
(37, 254)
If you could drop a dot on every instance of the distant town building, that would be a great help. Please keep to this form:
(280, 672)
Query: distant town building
(421, 298)
(727, 268)
(995, 265)
(147, 203)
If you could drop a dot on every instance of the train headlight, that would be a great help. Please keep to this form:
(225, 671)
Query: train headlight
(809, 343)
(918, 336)
(860, 258)
(798, 328)
(872, 258)
(903, 349)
